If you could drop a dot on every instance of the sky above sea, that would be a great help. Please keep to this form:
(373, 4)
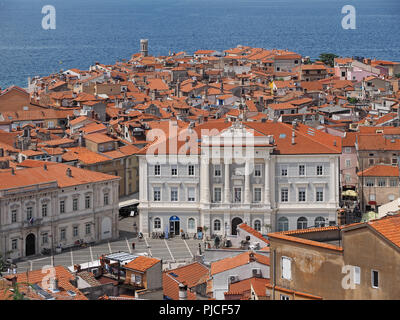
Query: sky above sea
(109, 30)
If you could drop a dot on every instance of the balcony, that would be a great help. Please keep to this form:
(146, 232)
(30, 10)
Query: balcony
(34, 223)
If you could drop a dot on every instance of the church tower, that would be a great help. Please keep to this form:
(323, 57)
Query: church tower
(144, 47)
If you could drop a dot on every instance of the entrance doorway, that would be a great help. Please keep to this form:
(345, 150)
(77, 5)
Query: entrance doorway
(174, 225)
(235, 222)
(30, 247)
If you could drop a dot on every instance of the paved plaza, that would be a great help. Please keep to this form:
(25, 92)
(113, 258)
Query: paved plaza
(171, 250)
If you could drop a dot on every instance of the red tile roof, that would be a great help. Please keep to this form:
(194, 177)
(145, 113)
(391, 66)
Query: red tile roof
(252, 231)
(388, 227)
(237, 261)
(142, 263)
(380, 171)
(54, 172)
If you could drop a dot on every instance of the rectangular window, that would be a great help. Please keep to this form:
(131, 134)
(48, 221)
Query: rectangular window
(257, 170)
(347, 178)
(257, 194)
(157, 194)
(302, 170)
(62, 206)
(87, 202)
(63, 232)
(372, 197)
(319, 196)
(157, 170)
(45, 238)
(44, 210)
(347, 150)
(106, 199)
(88, 229)
(302, 194)
(174, 194)
(174, 170)
(348, 163)
(284, 171)
(371, 162)
(75, 204)
(319, 170)
(286, 264)
(217, 170)
(394, 182)
(29, 213)
(375, 279)
(191, 170)
(191, 194)
(381, 182)
(284, 195)
(237, 192)
(14, 244)
(75, 232)
(13, 216)
(369, 182)
(217, 194)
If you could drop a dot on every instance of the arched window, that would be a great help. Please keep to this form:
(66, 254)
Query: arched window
(191, 224)
(257, 225)
(157, 223)
(302, 223)
(217, 225)
(283, 224)
(319, 222)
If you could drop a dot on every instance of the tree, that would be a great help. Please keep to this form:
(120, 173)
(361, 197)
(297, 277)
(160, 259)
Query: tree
(352, 100)
(328, 58)
(15, 292)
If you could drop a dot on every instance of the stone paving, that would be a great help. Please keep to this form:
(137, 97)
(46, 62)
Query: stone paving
(170, 250)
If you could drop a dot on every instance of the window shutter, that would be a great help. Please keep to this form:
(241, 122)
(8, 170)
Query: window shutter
(286, 268)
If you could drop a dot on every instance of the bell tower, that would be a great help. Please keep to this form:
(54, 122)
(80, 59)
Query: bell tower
(144, 47)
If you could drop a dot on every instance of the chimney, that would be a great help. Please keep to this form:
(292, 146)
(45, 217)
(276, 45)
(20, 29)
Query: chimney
(182, 291)
(69, 172)
(54, 284)
(251, 257)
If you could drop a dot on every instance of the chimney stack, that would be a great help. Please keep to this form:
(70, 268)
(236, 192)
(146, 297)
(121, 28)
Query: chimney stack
(182, 291)
(69, 172)
(54, 284)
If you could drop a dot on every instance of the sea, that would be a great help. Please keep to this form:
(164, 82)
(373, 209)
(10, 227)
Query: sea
(106, 31)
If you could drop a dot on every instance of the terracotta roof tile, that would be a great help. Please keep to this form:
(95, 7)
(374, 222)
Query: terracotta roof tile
(234, 262)
(142, 263)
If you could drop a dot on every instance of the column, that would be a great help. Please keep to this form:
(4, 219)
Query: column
(143, 183)
(332, 184)
(227, 190)
(267, 191)
(205, 180)
(247, 193)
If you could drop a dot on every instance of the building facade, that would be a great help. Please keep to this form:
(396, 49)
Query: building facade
(55, 205)
(264, 187)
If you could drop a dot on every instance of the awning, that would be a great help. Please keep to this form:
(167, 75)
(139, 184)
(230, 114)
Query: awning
(127, 203)
(349, 193)
(371, 215)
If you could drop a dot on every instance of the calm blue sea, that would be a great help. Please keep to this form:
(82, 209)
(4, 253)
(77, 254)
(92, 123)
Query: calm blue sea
(110, 30)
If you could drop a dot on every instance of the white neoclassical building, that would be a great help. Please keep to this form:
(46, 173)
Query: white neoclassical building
(273, 176)
(55, 204)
